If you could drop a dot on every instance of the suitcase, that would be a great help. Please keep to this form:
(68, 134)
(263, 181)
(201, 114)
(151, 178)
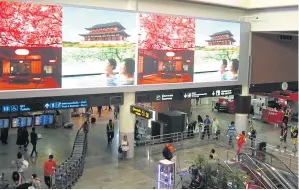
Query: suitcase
(68, 125)
(93, 120)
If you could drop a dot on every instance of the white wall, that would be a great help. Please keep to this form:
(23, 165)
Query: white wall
(156, 6)
(275, 20)
(270, 3)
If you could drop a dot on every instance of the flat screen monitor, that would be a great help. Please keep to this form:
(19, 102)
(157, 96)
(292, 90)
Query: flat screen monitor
(4, 123)
(25, 121)
(43, 119)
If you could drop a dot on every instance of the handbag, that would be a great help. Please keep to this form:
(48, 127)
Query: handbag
(120, 150)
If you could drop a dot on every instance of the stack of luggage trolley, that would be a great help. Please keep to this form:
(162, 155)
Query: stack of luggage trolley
(68, 173)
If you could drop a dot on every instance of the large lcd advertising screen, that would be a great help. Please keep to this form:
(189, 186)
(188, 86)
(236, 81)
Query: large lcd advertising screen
(48, 46)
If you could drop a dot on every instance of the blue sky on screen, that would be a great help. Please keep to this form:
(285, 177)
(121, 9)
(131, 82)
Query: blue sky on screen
(205, 28)
(76, 19)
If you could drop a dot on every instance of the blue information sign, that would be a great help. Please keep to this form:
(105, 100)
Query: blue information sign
(66, 104)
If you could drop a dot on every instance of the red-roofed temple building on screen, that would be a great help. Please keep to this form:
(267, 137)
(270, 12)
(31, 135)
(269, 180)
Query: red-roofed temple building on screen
(224, 38)
(108, 32)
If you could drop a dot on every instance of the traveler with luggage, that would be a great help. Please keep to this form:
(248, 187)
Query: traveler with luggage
(241, 140)
(231, 131)
(125, 146)
(168, 152)
(110, 131)
(294, 135)
(252, 136)
(88, 112)
(49, 168)
(206, 129)
(33, 138)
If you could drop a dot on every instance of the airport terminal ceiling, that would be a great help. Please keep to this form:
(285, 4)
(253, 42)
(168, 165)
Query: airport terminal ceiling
(120, 52)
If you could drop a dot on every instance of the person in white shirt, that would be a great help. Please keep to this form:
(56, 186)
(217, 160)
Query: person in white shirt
(215, 127)
(124, 146)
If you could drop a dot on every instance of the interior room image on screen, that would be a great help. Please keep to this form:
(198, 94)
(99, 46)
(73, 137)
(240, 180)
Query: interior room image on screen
(98, 48)
(217, 51)
(162, 66)
(30, 54)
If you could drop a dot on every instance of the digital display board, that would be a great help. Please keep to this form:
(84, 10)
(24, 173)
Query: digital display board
(44, 119)
(120, 49)
(22, 122)
(139, 111)
(4, 123)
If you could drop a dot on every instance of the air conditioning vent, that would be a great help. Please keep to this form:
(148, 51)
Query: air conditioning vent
(285, 37)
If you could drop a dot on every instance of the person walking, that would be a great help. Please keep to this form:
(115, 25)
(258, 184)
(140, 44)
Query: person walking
(215, 128)
(252, 136)
(33, 139)
(100, 108)
(207, 124)
(231, 131)
(241, 140)
(49, 168)
(125, 146)
(19, 138)
(283, 136)
(110, 131)
(294, 135)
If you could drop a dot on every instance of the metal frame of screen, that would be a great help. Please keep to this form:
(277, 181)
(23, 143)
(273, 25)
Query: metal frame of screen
(242, 79)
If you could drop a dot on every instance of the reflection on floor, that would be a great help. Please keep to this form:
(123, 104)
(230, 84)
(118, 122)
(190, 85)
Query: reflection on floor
(47, 82)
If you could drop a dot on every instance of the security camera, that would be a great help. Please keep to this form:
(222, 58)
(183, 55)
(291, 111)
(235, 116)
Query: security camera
(248, 18)
(257, 18)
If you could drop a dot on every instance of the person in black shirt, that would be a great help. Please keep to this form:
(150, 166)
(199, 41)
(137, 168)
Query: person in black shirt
(294, 135)
(283, 136)
(4, 135)
(33, 139)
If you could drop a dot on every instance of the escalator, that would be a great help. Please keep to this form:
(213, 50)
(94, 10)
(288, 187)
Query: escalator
(271, 176)
(277, 166)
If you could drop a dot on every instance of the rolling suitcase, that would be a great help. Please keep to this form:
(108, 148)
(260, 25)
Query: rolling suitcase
(93, 119)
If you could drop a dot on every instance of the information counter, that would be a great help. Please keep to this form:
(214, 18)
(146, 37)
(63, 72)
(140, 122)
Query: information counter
(273, 116)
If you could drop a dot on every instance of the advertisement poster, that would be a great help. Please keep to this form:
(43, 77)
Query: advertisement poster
(165, 49)
(30, 46)
(217, 51)
(98, 48)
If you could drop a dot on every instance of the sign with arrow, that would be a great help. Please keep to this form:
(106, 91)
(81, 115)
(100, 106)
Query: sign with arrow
(141, 112)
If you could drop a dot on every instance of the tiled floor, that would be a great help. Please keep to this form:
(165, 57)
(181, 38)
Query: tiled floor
(103, 169)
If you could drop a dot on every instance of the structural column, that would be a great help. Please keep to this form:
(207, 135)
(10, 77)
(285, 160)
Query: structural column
(242, 109)
(127, 122)
(66, 116)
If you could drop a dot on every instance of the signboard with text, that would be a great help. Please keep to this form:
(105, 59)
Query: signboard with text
(142, 112)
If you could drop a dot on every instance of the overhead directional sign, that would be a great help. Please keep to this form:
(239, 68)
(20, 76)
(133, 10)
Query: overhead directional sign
(142, 112)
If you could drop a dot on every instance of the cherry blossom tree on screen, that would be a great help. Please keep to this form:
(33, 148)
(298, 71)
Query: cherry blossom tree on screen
(160, 32)
(31, 25)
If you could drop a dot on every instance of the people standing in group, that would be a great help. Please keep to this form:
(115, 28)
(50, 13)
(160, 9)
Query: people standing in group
(207, 124)
(231, 132)
(215, 128)
(21, 165)
(4, 135)
(252, 135)
(125, 146)
(110, 131)
(33, 140)
(22, 138)
(241, 140)
(49, 168)
(283, 136)
(294, 135)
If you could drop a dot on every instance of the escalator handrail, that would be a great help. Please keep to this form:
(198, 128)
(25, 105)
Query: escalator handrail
(256, 177)
(263, 173)
(276, 173)
(277, 159)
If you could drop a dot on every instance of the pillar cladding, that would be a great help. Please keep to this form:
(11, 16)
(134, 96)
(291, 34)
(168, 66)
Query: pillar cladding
(127, 122)
(66, 116)
(242, 109)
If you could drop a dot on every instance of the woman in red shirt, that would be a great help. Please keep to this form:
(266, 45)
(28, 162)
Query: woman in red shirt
(241, 141)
